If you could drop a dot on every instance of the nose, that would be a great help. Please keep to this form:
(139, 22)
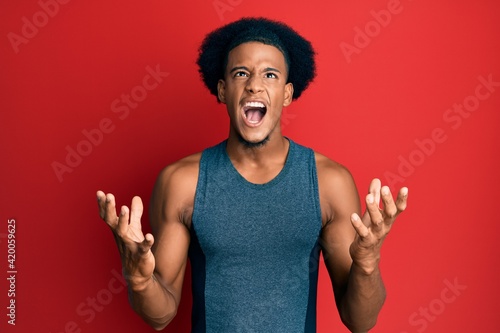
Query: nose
(254, 84)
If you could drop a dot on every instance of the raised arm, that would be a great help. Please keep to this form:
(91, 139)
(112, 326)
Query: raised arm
(351, 244)
(154, 264)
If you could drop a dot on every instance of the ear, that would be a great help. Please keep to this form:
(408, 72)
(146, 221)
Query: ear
(288, 94)
(221, 91)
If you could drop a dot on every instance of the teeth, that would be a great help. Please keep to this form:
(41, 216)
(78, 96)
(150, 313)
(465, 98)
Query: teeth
(255, 104)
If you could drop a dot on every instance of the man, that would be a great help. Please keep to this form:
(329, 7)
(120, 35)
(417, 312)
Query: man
(254, 211)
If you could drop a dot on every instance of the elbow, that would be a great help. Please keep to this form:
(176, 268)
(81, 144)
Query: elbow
(159, 328)
(358, 324)
(160, 323)
(360, 329)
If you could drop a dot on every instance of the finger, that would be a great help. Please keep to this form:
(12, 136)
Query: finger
(123, 220)
(402, 199)
(110, 211)
(390, 209)
(374, 212)
(358, 225)
(136, 210)
(101, 202)
(146, 244)
(375, 190)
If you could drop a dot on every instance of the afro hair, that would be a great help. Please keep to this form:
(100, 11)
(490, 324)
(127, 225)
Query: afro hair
(298, 52)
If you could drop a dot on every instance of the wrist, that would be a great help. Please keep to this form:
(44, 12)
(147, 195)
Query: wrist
(366, 260)
(138, 283)
(366, 267)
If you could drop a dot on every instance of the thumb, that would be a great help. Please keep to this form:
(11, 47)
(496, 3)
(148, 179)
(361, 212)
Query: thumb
(146, 244)
(359, 226)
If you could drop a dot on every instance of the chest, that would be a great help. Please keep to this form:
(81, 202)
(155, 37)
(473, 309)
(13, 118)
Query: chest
(239, 223)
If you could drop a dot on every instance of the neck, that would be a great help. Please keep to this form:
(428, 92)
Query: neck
(270, 151)
(258, 165)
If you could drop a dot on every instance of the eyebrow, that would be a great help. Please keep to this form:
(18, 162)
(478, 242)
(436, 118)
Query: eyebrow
(267, 69)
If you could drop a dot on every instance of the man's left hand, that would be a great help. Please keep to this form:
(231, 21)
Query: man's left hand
(375, 224)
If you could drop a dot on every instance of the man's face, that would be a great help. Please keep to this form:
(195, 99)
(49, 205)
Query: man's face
(254, 90)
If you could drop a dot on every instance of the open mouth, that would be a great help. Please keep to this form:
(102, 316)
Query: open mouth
(254, 112)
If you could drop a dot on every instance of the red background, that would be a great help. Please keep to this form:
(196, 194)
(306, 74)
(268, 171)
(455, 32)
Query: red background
(369, 111)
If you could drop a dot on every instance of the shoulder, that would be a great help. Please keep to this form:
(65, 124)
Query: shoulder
(180, 176)
(174, 191)
(185, 169)
(337, 189)
(331, 172)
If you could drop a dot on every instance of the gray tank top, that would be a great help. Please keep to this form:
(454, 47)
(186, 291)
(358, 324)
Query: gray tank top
(254, 247)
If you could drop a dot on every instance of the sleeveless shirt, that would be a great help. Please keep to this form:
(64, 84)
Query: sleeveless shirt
(254, 247)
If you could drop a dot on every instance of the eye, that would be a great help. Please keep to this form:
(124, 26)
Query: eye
(240, 74)
(271, 75)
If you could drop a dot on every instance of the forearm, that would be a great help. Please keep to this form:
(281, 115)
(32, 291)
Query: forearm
(154, 303)
(363, 299)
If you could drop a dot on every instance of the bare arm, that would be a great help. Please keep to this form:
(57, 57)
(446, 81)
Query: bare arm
(351, 245)
(154, 266)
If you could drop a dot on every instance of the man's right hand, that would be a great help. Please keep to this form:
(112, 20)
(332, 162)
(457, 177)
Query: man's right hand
(135, 248)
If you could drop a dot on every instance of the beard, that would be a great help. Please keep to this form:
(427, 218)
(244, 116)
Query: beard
(253, 145)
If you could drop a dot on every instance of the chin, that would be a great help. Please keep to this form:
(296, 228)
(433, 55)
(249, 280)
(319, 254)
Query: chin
(253, 144)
